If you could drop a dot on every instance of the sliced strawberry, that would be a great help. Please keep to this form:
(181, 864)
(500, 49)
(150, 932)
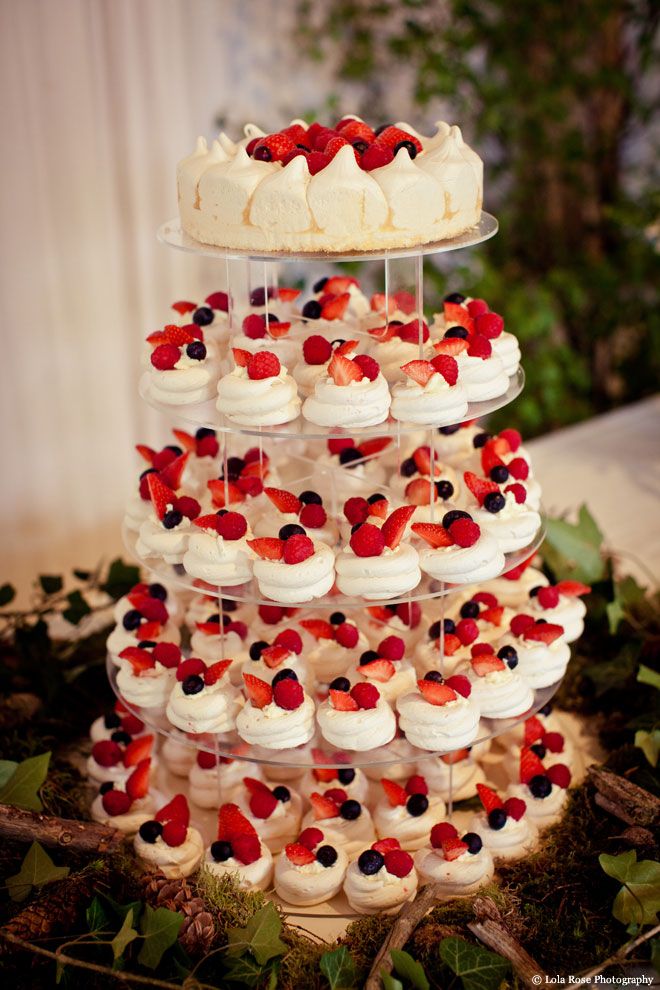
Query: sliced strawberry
(347, 348)
(573, 589)
(298, 854)
(274, 656)
(139, 660)
(323, 774)
(533, 730)
(480, 487)
(382, 303)
(341, 701)
(484, 665)
(149, 630)
(283, 500)
(492, 615)
(453, 848)
(394, 526)
(161, 495)
(335, 307)
(520, 623)
(343, 371)
(233, 823)
(184, 306)
(405, 302)
(209, 628)
(338, 284)
(481, 649)
(145, 452)
(138, 750)
(262, 803)
(395, 794)
(267, 547)
(310, 837)
(288, 294)
(490, 458)
(374, 446)
(379, 510)
(259, 692)
(420, 491)
(224, 493)
(386, 845)
(276, 330)
(188, 668)
(457, 313)
(385, 333)
(379, 612)
(436, 694)
(176, 810)
(322, 807)
(457, 756)
(435, 535)
(452, 346)
(246, 848)
(420, 371)
(446, 366)
(452, 644)
(173, 473)
(544, 632)
(412, 331)
(515, 808)
(319, 628)
(378, 670)
(422, 458)
(213, 673)
(489, 798)
(137, 784)
(241, 357)
(530, 765)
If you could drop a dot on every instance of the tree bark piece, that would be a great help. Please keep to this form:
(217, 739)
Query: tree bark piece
(406, 923)
(623, 799)
(490, 929)
(18, 825)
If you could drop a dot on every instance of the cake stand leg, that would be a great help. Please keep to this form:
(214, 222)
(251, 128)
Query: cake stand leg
(225, 469)
(432, 492)
(230, 301)
(216, 751)
(266, 296)
(386, 286)
(419, 301)
(441, 637)
(222, 625)
(450, 800)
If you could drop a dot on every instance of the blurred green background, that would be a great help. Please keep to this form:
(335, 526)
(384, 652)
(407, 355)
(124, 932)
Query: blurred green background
(561, 101)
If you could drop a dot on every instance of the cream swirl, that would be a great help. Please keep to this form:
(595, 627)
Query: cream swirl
(360, 403)
(211, 558)
(136, 510)
(457, 877)
(514, 527)
(452, 781)
(213, 709)
(435, 404)
(402, 680)
(289, 583)
(277, 728)
(329, 659)
(538, 663)
(258, 402)
(149, 689)
(360, 730)
(464, 565)
(569, 613)
(311, 883)
(501, 694)
(412, 831)
(248, 876)
(542, 811)
(514, 840)
(212, 647)
(174, 862)
(379, 892)
(392, 573)
(507, 349)
(157, 541)
(120, 638)
(438, 727)
(481, 378)
(188, 382)
(362, 478)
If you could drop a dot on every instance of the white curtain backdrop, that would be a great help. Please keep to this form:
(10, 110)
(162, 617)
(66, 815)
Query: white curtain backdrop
(100, 100)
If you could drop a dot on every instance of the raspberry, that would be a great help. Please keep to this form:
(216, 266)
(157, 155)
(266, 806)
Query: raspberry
(520, 623)
(480, 347)
(548, 597)
(297, 548)
(560, 775)
(376, 156)
(398, 863)
(254, 326)
(273, 148)
(165, 356)
(316, 161)
(271, 614)
(366, 695)
(316, 349)
(310, 837)
(356, 509)
(467, 631)
(106, 753)
(167, 654)
(553, 742)
(518, 468)
(335, 144)
(341, 443)
(189, 667)
(288, 694)
(263, 364)
(460, 684)
(290, 639)
(464, 532)
(476, 307)
(367, 541)
(250, 486)
(246, 848)
(515, 808)
(205, 760)
(174, 833)
(232, 526)
(489, 325)
(356, 130)
(347, 635)
(392, 648)
(410, 332)
(442, 831)
(322, 137)
(313, 516)
(188, 506)
(369, 367)
(116, 802)
(416, 785)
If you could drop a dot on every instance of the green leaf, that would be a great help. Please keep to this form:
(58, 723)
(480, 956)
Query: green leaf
(339, 969)
(7, 769)
(615, 614)
(649, 743)
(638, 900)
(50, 583)
(260, 936)
(37, 869)
(22, 788)
(613, 673)
(7, 594)
(478, 968)
(120, 578)
(390, 982)
(78, 608)
(409, 969)
(97, 917)
(160, 929)
(121, 910)
(647, 676)
(124, 937)
(243, 970)
(573, 550)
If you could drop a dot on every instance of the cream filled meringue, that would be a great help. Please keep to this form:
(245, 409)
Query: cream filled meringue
(391, 573)
(251, 876)
(458, 877)
(464, 565)
(310, 883)
(358, 403)
(213, 708)
(174, 862)
(448, 726)
(516, 838)
(129, 822)
(312, 578)
(359, 730)
(258, 402)
(378, 892)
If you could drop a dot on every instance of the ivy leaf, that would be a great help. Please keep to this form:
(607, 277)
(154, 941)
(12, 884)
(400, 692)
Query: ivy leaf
(261, 936)
(37, 869)
(160, 928)
(7, 768)
(124, 937)
(7, 594)
(22, 788)
(573, 550)
(243, 970)
(390, 982)
(609, 674)
(615, 614)
(339, 969)
(120, 578)
(627, 594)
(638, 901)
(50, 583)
(97, 917)
(409, 969)
(649, 743)
(647, 676)
(78, 608)
(121, 910)
(478, 968)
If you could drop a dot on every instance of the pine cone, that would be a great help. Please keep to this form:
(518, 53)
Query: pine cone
(197, 932)
(198, 929)
(161, 892)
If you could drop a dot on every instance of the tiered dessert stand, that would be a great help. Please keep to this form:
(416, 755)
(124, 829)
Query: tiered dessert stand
(293, 447)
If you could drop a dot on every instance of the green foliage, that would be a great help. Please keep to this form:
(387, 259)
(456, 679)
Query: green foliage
(409, 969)
(123, 939)
(37, 869)
(159, 928)
(339, 969)
(638, 901)
(573, 550)
(260, 937)
(477, 968)
(22, 787)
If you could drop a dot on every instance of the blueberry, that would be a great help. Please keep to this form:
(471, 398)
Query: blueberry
(473, 842)
(235, 465)
(337, 618)
(174, 448)
(396, 323)
(469, 610)
(192, 684)
(448, 431)
(539, 749)
(497, 818)
(106, 786)
(535, 590)
(214, 618)
(337, 342)
(112, 720)
(349, 455)
(434, 628)
(360, 146)
(203, 316)
(312, 310)
(346, 776)
(229, 605)
(454, 297)
(480, 440)
(320, 285)
(121, 737)
(291, 529)
(256, 648)
(453, 515)
(222, 512)
(282, 793)
(376, 497)
(434, 675)
(408, 468)
(148, 471)
(326, 856)
(350, 810)
(546, 709)
(408, 145)
(460, 332)
(541, 622)
(196, 351)
(310, 498)
(303, 147)
(204, 432)
(383, 127)
(146, 644)
(158, 591)
(131, 620)
(370, 862)
(340, 684)
(540, 785)
(355, 527)
(368, 657)
(509, 655)
(271, 318)
(258, 295)
(172, 519)
(444, 488)
(221, 851)
(417, 804)
(494, 502)
(284, 675)
(149, 831)
(499, 474)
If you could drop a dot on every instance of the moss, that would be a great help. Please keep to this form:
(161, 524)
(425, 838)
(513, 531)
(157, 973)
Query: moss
(231, 906)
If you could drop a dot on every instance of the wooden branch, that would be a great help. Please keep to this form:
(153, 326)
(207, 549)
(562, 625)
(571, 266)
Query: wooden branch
(620, 954)
(405, 924)
(623, 799)
(490, 929)
(18, 825)
(18, 708)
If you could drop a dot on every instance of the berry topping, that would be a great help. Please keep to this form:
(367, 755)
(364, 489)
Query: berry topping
(288, 694)
(543, 632)
(515, 808)
(376, 156)
(150, 831)
(398, 863)
(395, 794)
(347, 635)
(189, 667)
(370, 862)
(433, 534)
(520, 624)
(560, 775)
(460, 684)
(176, 810)
(299, 854)
(366, 695)
(530, 765)
(436, 693)
(480, 487)
(452, 848)
(378, 670)
(297, 548)
(267, 547)
(137, 784)
(263, 364)
(394, 526)
(488, 798)
(485, 664)
(464, 532)
(392, 648)
(441, 833)
(343, 370)
(116, 802)
(368, 366)
(174, 833)
(367, 541)
(259, 692)
(341, 700)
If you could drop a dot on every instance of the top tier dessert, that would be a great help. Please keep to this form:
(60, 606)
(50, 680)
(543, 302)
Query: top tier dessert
(314, 188)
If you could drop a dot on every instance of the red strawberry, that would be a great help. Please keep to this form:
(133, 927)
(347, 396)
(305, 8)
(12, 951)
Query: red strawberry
(574, 589)
(176, 810)
(452, 346)
(490, 458)
(283, 500)
(446, 366)
(489, 798)
(224, 493)
(480, 347)
(374, 446)
(544, 632)
(340, 443)
(520, 623)
(392, 137)
(241, 357)
(277, 330)
(412, 331)
(560, 775)
(298, 854)
(167, 654)
(172, 334)
(394, 526)
(233, 823)
(116, 802)
(385, 333)
(422, 458)
(452, 644)
(267, 547)
(457, 313)
(405, 301)
(515, 808)
(138, 750)
(512, 438)
(492, 615)
(171, 475)
(184, 307)
(433, 534)
(161, 496)
(386, 845)
(316, 161)
(246, 848)
(336, 794)
(416, 785)
(356, 130)
(453, 848)
(145, 452)
(378, 670)
(441, 833)
(132, 725)
(148, 630)
(319, 628)
(137, 784)
(485, 598)
(259, 692)
(310, 837)
(322, 807)
(480, 487)
(420, 491)
(273, 147)
(460, 684)
(263, 803)
(420, 371)
(484, 665)
(106, 753)
(263, 364)
(189, 667)
(213, 673)
(218, 300)
(436, 694)
(341, 701)
(481, 650)
(335, 307)
(457, 756)
(139, 660)
(343, 371)
(379, 508)
(530, 765)
(376, 156)
(533, 731)
(367, 541)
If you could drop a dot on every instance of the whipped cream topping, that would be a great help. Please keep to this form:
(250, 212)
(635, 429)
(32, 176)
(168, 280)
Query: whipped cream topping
(295, 662)
(507, 349)
(363, 403)
(289, 583)
(212, 558)
(539, 664)
(428, 657)
(213, 709)
(392, 573)
(149, 689)
(379, 892)
(277, 728)
(140, 811)
(435, 404)
(258, 402)
(157, 541)
(514, 840)
(310, 883)
(218, 647)
(514, 527)
(174, 862)
(541, 811)
(118, 774)
(402, 681)
(458, 447)
(569, 613)
(464, 565)
(411, 831)
(328, 659)
(438, 727)
(481, 378)
(457, 877)
(501, 694)
(357, 789)
(360, 730)
(250, 876)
